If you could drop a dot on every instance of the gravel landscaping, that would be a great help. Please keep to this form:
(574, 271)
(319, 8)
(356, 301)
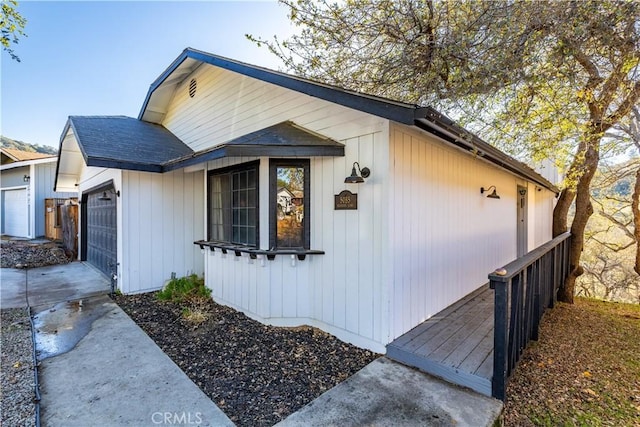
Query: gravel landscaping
(26, 254)
(16, 369)
(256, 374)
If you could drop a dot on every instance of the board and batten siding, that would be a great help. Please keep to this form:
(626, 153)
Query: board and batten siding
(162, 217)
(228, 105)
(342, 292)
(45, 175)
(445, 237)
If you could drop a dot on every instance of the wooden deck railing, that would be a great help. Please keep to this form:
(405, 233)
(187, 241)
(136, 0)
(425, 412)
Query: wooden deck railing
(522, 293)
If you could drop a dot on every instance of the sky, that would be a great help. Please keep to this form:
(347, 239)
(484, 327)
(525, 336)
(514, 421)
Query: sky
(99, 58)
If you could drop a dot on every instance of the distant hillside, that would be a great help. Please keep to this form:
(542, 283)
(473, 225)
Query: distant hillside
(24, 146)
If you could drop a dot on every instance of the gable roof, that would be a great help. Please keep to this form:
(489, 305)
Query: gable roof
(161, 91)
(19, 155)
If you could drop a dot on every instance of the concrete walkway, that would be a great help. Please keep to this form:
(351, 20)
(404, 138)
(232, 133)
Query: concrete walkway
(117, 376)
(97, 367)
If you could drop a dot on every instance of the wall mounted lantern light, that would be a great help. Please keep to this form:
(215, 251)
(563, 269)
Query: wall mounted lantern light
(358, 176)
(106, 195)
(26, 178)
(492, 195)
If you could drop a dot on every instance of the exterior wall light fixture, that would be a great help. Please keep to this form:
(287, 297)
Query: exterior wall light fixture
(492, 195)
(357, 177)
(106, 195)
(26, 178)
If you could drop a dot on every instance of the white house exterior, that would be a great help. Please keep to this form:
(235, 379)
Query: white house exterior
(26, 180)
(213, 131)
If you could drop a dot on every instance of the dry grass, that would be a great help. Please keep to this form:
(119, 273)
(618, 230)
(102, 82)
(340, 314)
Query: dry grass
(584, 371)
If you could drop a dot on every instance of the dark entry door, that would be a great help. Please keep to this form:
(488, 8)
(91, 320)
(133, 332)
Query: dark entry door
(101, 228)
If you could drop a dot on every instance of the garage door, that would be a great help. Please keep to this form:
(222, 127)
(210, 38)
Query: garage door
(16, 213)
(101, 229)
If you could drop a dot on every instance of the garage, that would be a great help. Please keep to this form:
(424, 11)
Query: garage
(16, 212)
(100, 230)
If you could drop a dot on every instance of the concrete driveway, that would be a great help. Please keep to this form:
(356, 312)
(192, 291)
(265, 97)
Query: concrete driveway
(50, 285)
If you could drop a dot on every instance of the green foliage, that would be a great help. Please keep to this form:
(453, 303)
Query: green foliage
(24, 146)
(531, 77)
(185, 289)
(12, 25)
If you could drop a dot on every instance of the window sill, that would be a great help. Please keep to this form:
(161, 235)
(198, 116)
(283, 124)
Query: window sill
(238, 250)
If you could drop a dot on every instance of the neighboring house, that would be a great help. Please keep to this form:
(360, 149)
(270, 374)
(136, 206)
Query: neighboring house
(26, 180)
(215, 141)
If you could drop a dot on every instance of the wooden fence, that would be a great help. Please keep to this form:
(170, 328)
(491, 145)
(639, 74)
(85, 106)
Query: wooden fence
(61, 222)
(522, 294)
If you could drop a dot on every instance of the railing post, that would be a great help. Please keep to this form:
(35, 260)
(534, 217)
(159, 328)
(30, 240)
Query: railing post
(500, 339)
(523, 289)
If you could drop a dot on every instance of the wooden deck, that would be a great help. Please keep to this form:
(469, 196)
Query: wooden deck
(455, 344)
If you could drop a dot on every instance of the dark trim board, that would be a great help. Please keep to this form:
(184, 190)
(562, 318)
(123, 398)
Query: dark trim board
(452, 375)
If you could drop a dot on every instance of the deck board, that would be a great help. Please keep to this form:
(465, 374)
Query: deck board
(433, 332)
(455, 344)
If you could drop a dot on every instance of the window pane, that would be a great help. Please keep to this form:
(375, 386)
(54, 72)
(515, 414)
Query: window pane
(290, 206)
(232, 207)
(251, 179)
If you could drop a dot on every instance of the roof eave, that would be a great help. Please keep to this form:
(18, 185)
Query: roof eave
(389, 109)
(442, 127)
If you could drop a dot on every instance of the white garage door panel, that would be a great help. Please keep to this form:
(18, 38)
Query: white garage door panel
(16, 213)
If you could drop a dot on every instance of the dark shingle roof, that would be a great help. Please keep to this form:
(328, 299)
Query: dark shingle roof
(282, 139)
(126, 143)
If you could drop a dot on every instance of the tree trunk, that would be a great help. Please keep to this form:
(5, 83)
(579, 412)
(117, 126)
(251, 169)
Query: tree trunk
(561, 211)
(584, 209)
(635, 200)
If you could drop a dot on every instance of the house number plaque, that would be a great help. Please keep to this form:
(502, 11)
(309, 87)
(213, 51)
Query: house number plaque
(346, 200)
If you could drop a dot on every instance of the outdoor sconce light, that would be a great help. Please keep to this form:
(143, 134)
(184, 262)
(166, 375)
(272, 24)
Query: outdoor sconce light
(357, 177)
(26, 178)
(493, 194)
(105, 197)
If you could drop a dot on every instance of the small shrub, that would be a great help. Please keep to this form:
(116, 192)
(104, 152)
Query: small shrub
(185, 289)
(195, 315)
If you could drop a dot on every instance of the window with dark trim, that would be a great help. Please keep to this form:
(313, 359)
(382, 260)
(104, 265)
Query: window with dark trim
(233, 205)
(289, 204)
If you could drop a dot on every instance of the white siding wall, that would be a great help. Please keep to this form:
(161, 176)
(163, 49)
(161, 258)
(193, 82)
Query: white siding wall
(228, 105)
(544, 202)
(163, 215)
(445, 236)
(423, 236)
(343, 291)
(45, 175)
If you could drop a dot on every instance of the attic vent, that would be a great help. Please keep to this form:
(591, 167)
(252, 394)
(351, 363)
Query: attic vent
(192, 88)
